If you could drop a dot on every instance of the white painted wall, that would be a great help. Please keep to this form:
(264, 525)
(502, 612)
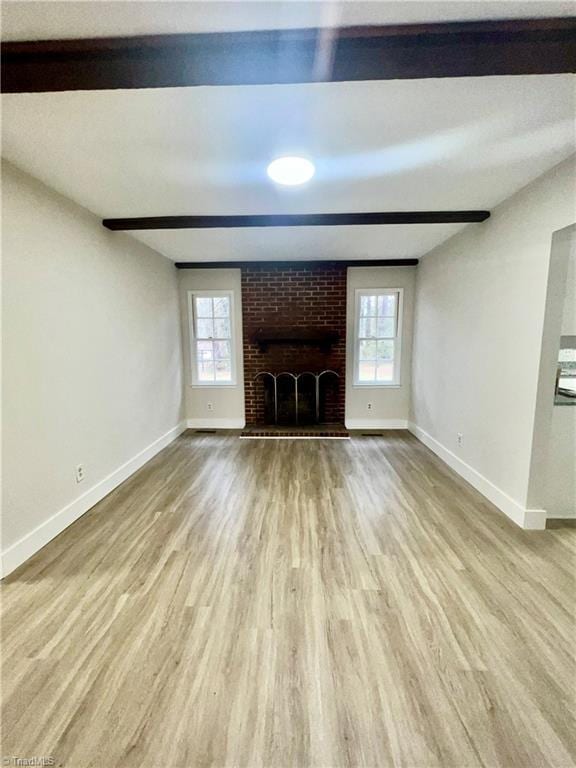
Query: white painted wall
(480, 304)
(91, 361)
(227, 401)
(553, 471)
(390, 405)
(559, 497)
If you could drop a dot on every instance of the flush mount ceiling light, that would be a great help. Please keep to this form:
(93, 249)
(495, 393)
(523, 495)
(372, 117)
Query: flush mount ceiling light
(291, 171)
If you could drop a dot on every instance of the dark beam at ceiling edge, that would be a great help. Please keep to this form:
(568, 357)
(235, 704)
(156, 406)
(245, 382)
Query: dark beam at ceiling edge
(371, 218)
(305, 264)
(460, 49)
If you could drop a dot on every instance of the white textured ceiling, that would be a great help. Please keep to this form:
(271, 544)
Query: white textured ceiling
(32, 20)
(386, 145)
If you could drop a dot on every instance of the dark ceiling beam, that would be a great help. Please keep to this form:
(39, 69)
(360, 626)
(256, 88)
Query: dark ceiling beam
(297, 263)
(462, 49)
(297, 220)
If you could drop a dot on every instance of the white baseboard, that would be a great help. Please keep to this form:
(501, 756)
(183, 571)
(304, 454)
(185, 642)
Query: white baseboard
(531, 519)
(376, 424)
(216, 423)
(569, 515)
(28, 545)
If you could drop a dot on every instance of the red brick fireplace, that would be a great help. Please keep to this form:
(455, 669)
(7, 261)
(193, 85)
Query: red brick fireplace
(294, 319)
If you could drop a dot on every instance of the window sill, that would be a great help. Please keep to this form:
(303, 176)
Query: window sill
(213, 385)
(356, 385)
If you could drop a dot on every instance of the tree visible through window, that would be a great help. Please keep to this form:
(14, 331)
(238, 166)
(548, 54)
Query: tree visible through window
(212, 346)
(377, 342)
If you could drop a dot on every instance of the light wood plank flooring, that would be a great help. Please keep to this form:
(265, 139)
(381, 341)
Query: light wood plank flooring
(293, 604)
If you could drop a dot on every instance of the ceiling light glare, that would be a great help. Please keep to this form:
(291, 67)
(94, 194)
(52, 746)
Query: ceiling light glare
(291, 171)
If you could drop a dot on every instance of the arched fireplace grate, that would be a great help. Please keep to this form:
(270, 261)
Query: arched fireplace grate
(296, 378)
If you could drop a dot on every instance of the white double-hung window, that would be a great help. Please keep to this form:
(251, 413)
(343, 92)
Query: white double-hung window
(377, 337)
(211, 316)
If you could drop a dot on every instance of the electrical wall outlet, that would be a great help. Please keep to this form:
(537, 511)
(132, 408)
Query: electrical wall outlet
(210, 406)
(369, 406)
(459, 439)
(80, 473)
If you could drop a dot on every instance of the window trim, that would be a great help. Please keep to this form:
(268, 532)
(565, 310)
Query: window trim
(396, 381)
(195, 382)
